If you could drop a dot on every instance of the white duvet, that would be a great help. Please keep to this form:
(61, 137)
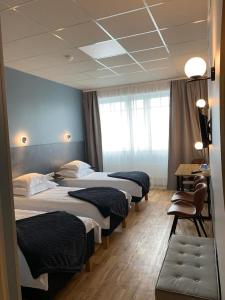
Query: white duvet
(101, 179)
(58, 199)
(41, 282)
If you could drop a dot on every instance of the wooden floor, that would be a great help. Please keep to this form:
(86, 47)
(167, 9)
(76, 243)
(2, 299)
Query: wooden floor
(129, 268)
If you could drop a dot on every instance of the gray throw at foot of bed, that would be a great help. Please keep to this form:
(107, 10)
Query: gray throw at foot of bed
(141, 178)
(52, 242)
(107, 200)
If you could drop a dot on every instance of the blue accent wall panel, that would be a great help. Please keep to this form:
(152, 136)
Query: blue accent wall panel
(42, 110)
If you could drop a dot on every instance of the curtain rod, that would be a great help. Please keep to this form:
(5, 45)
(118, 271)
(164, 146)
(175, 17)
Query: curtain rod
(132, 84)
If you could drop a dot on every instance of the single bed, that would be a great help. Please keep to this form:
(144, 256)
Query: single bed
(101, 179)
(58, 199)
(46, 284)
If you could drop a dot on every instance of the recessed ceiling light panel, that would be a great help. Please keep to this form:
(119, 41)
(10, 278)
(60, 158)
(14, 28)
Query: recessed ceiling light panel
(103, 49)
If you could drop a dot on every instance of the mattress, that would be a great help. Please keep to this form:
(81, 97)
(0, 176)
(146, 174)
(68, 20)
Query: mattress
(58, 199)
(101, 179)
(26, 279)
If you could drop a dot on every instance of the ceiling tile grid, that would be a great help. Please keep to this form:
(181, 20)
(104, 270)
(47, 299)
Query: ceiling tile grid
(47, 38)
(54, 13)
(15, 26)
(127, 24)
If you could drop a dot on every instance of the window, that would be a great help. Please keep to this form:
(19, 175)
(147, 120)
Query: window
(135, 131)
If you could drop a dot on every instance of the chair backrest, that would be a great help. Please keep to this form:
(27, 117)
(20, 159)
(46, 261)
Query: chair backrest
(199, 179)
(200, 196)
(198, 161)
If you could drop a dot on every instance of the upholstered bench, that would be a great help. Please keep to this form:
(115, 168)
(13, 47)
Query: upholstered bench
(189, 270)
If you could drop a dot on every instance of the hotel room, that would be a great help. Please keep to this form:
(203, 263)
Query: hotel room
(112, 146)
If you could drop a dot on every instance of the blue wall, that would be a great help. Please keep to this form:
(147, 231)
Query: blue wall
(41, 109)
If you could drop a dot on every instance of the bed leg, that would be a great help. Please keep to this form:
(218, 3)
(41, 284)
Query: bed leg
(137, 207)
(105, 241)
(88, 265)
(146, 197)
(124, 223)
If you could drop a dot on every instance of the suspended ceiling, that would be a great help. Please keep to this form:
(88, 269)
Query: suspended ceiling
(44, 38)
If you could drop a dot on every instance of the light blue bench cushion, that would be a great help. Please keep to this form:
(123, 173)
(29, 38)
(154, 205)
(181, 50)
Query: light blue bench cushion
(189, 270)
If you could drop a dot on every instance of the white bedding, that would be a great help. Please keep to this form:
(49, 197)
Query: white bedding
(101, 179)
(58, 199)
(41, 282)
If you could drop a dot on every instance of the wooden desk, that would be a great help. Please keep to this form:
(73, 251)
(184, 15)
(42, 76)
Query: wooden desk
(185, 170)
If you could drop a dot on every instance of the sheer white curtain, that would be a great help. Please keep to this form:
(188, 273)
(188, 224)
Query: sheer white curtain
(135, 129)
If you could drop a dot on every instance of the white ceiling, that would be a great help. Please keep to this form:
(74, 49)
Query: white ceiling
(158, 36)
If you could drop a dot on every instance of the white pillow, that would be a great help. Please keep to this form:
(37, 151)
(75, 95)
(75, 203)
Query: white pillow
(52, 184)
(75, 174)
(29, 191)
(17, 191)
(37, 189)
(29, 180)
(76, 165)
(83, 172)
(32, 190)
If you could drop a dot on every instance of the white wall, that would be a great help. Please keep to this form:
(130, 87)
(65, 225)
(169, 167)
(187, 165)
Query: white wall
(215, 148)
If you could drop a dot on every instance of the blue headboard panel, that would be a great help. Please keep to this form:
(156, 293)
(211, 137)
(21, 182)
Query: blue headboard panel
(44, 158)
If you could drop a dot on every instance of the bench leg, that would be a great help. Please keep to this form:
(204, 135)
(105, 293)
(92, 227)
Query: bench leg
(105, 241)
(136, 207)
(88, 265)
(197, 228)
(174, 226)
(202, 226)
(146, 197)
(124, 223)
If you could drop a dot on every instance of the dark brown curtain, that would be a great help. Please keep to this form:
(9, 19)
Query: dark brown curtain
(93, 137)
(184, 124)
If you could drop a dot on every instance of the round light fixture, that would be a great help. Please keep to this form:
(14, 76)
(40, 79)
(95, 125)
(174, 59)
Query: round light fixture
(24, 140)
(67, 137)
(201, 103)
(198, 145)
(195, 67)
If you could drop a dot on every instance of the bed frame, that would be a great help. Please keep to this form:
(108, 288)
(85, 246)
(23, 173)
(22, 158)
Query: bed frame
(137, 201)
(114, 223)
(48, 158)
(57, 281)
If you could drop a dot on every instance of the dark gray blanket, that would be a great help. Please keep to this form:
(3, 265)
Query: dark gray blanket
(52, 242)
(107, 200)
(141, 178)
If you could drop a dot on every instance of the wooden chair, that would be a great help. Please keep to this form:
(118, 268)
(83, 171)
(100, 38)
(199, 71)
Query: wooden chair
(190, 209)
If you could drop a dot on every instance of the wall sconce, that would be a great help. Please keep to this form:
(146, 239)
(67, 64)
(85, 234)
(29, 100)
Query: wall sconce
(198, 145)
(67, 137)
(200, 103)
(195, 69)
(24, 140)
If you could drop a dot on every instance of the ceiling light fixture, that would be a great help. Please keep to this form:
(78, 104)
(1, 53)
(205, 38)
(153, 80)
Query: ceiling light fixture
(195, 69)
(104, 49)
